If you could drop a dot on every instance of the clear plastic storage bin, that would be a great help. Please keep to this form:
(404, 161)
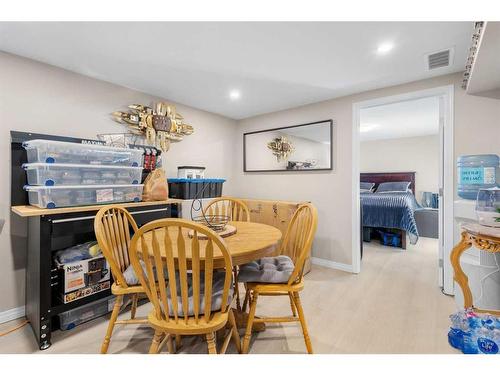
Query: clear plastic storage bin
(45, 151)
(70, 319)
(82, 195)
(46, 174)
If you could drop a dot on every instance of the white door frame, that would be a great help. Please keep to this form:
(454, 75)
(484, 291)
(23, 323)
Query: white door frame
(446, 92)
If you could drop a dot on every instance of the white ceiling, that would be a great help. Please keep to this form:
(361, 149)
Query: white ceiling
(274, 65)
(411, 118)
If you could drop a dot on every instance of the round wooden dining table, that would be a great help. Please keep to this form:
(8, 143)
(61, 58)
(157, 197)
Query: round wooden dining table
(250, 242)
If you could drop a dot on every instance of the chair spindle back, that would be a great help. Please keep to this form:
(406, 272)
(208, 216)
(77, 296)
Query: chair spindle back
(299, 237)
(236, 209)
(171, 249)
(112, 226)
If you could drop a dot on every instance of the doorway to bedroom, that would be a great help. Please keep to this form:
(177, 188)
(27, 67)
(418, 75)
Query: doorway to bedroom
(403, 159)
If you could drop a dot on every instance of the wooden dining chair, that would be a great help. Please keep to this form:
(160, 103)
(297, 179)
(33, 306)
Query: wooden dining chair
(113, 225)
(237, 210)
(282, 275)
(197, 299)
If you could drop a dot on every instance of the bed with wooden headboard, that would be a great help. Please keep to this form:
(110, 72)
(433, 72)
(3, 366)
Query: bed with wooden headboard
(380, 177)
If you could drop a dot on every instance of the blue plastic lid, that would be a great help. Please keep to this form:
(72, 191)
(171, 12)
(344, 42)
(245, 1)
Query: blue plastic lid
(479, 159)
(195, 180)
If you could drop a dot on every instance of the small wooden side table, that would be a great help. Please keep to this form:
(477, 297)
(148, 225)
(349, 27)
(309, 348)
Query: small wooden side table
(484, 239)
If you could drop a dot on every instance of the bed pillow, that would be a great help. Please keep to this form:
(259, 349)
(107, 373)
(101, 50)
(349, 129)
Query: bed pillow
(394, 187)
(366, 187)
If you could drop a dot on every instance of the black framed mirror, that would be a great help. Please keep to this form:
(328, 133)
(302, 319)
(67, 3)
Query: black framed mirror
(304, 147)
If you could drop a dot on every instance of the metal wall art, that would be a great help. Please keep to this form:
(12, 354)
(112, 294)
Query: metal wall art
(160, 125)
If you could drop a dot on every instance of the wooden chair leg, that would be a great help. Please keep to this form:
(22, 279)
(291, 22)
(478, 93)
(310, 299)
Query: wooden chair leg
(178, 342)
(155, 344)
(303, 322)
(111, 324)
(133, 308)
(170, 345)
(245, 301)
(212, 349)
(234, 328)
(251, 315)
(236, 288)
(292, 304)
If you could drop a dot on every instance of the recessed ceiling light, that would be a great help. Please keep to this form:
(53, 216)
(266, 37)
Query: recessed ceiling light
(234, 94)
(364, 128)
(384, 48)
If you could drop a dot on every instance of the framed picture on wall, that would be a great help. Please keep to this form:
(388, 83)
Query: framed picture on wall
(304, 147)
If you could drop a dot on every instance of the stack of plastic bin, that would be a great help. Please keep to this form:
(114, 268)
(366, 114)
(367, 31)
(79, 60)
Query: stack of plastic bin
(65, 174)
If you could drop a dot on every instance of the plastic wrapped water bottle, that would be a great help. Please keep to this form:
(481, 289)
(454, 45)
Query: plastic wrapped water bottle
(459, 327)
(488, 336)
(475, 333)
(470, 343)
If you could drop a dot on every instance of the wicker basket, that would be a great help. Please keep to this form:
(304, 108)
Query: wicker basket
(215, 222)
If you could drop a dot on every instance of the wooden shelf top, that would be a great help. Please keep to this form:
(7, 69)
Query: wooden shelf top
(26, 211)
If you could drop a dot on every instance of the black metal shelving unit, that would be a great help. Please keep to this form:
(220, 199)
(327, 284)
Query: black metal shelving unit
(52, 232)
(47, 234)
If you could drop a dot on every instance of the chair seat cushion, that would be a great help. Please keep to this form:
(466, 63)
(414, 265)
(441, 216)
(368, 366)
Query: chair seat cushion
(274, 270)
(217, 291)
(130, 275)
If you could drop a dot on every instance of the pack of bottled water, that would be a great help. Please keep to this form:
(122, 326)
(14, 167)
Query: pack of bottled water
(474, 333)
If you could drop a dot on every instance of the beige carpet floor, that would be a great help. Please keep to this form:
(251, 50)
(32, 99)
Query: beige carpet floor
(393, 306)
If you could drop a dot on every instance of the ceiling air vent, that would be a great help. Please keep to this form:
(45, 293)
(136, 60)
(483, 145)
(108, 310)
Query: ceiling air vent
(440, 59)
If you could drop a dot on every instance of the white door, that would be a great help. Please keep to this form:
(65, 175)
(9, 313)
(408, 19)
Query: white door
(441, 190)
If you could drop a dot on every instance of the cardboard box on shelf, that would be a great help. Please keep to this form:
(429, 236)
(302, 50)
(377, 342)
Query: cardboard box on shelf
(84, 277)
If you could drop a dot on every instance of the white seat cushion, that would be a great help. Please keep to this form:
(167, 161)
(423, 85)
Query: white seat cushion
(274, 270)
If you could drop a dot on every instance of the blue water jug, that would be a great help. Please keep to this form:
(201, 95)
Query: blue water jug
(476, 172)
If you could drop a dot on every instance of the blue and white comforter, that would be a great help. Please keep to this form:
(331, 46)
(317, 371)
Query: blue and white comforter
(391, 210)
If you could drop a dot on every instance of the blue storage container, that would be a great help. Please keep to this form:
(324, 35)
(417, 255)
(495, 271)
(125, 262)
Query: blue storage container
(191, 188)
(476, 172)
(390, 239)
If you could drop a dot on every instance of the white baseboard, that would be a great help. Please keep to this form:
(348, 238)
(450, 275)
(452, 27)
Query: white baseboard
(15, 313)
(332, 264)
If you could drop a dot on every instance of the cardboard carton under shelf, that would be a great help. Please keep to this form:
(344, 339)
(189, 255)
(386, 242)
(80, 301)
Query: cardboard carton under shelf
(83, 278)
(275, 213)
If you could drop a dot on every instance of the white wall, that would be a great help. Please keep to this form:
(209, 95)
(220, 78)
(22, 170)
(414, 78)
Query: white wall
(477, 130)
(411, 154)
(44, 99)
